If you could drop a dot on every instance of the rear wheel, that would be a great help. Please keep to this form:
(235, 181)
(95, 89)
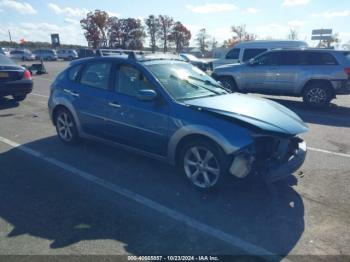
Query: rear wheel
(19, 98)
(229, 83)
(66, 127)
(203, 163)
(318, 95)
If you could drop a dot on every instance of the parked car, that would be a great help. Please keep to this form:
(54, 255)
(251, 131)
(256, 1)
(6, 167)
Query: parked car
(170, 110)
(85, 52)
(15, 80)
(316, 75)
(67, 54)
(245, 51)
(195, 61)
(45, 54)
(24, 55)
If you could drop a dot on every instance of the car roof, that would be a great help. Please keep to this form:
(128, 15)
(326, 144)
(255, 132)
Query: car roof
(154, 58)
(271, 44)
(308, 50)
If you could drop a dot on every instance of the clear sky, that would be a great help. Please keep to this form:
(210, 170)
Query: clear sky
(36, 20)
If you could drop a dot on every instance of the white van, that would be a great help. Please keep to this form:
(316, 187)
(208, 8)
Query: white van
(245, 51)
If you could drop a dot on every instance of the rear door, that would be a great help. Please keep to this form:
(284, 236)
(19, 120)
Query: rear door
(140, 124)
(88, 95)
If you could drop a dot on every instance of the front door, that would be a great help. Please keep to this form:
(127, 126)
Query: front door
(140, 124)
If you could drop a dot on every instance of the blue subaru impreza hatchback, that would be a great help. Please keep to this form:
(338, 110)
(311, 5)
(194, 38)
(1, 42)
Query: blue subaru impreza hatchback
(166, 108)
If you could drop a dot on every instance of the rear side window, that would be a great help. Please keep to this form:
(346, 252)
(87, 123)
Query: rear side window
(233, 54)
(321, 58)
(250, 53)
(73, 72)
(96, 75)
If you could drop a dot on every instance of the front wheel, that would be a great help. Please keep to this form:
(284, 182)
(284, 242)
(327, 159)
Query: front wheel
(317, 95)
(66, 127)
(229, 83)
(203, 163)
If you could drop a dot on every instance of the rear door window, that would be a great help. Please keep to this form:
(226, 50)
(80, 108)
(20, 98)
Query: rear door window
(74, 72)
(97, 75)
(250, 53)
(233, 54)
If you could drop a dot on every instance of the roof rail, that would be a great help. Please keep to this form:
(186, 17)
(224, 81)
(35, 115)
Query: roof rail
(137, 54)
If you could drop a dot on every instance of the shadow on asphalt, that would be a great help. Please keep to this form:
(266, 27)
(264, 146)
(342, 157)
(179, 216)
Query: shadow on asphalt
(6, 103)
(47, 202)
(334, 115)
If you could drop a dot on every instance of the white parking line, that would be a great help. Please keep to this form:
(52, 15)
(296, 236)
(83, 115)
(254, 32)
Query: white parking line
(204, 228)
(328, 152)
(35, 94)
(42, 78)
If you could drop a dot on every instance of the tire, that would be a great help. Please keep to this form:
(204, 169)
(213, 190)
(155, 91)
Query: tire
(19, 98)
(66, 127)
(229, 83)
(203, 163)
(317, 95)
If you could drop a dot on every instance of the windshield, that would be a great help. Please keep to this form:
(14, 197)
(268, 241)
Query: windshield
(184, 81)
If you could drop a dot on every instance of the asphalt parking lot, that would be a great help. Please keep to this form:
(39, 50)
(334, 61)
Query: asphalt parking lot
(95, 199)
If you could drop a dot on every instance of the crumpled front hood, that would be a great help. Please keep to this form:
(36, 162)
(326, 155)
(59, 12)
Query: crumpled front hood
(262, 113)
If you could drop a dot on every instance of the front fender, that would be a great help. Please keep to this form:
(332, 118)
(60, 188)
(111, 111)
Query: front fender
(225, 142)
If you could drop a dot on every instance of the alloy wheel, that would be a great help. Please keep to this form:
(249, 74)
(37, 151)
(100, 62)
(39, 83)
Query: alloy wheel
(65, 126)
(317, 95)
(201, 167)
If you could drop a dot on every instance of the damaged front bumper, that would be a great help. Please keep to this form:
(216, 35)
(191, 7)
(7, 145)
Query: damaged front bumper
(279, 161)
(285, 169)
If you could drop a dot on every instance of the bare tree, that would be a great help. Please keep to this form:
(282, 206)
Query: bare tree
(202, 39)
(293, 34)
(153, 27)
(334, 40)
(213, 43)
(242, 34)
(166, 24)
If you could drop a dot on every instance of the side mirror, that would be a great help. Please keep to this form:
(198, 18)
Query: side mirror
(146, 95)
(252, 62)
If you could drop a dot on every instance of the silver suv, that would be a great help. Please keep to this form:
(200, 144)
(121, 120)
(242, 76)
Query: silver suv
(314, 74)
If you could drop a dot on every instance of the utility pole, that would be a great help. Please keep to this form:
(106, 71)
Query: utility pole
(10, 36)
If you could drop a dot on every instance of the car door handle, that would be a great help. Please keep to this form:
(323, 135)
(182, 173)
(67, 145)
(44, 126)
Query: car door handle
(114, 104)
(74, 94)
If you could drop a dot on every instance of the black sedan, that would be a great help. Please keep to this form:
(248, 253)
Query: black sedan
(15, 80)
(195, 61)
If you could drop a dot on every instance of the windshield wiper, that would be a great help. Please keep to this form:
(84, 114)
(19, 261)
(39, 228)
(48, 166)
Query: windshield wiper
(207, 82)
(194, 85)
